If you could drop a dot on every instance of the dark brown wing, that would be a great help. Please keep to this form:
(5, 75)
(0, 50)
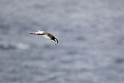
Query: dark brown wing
(51, 36)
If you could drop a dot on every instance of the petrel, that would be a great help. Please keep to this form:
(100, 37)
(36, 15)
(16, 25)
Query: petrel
(46, 35)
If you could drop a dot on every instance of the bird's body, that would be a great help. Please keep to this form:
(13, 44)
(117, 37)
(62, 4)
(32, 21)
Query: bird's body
(46, 35)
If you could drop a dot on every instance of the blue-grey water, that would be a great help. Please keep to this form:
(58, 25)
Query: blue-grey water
(90, 34)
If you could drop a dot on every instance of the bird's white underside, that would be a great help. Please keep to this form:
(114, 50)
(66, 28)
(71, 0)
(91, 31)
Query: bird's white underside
(41, 32)
(47, 37)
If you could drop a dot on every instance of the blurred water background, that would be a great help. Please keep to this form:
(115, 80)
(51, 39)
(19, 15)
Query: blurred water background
(90, 34)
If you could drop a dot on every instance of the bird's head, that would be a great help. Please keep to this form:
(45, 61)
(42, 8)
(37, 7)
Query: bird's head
(56, 41)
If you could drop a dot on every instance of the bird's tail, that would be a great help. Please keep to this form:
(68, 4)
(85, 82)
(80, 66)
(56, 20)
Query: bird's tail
(33, 33)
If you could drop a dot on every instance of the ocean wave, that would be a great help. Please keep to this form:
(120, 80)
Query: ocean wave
(13, 46)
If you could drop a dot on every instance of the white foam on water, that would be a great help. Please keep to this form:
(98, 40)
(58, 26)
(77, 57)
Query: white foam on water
(22, 46)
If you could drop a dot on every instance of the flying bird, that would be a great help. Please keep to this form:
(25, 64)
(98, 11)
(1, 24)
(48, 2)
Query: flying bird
(46, 35)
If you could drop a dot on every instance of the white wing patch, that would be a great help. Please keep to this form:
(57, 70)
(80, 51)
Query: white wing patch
(39, 32)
